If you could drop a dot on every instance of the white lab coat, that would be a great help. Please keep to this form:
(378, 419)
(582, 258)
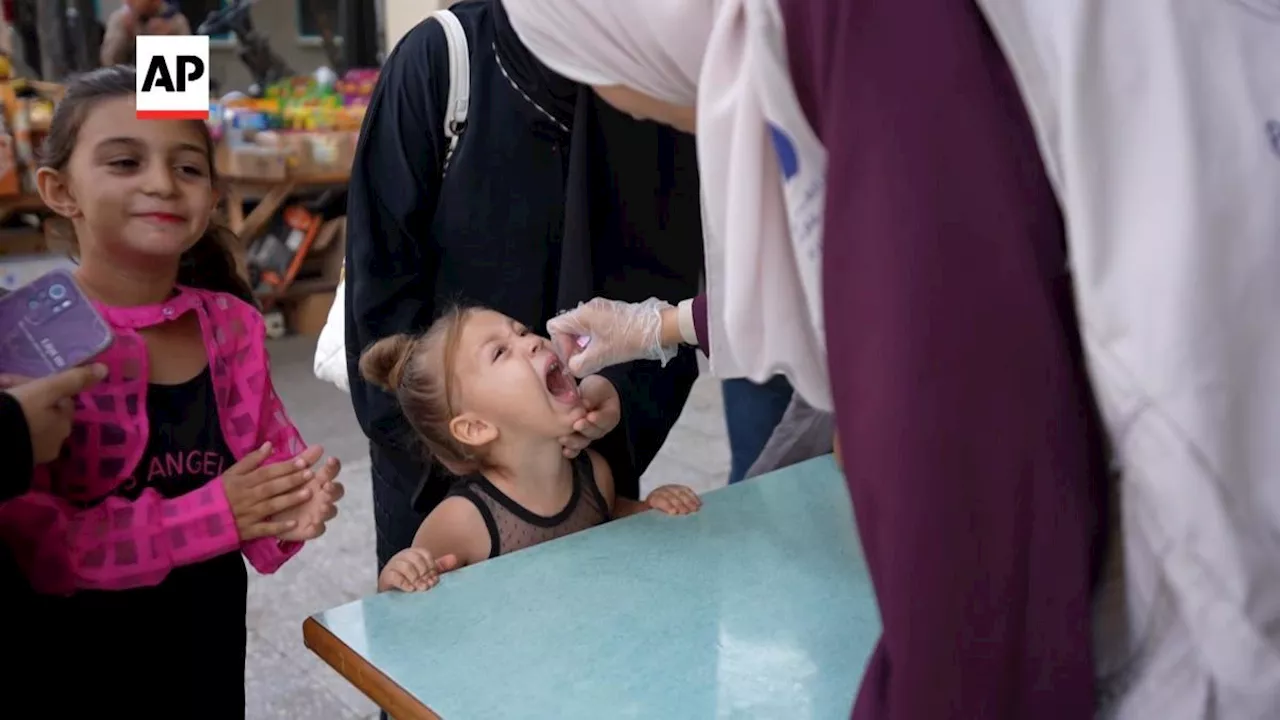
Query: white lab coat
(1159, 123)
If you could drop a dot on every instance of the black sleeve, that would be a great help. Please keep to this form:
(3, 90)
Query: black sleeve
(395, 180)
(19, 463)
(652, 398)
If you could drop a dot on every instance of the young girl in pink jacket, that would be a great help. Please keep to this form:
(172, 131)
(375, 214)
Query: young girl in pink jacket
(182, 459)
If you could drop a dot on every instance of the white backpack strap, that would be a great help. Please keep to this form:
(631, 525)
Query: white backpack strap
(455, 116)
(459, 97)
(331, 353)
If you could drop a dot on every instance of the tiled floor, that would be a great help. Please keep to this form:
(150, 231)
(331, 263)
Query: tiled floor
(283, 678)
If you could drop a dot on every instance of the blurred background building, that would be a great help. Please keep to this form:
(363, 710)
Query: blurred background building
(296, 30)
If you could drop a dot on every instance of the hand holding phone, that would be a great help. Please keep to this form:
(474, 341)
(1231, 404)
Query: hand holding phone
(48, 326)
(46, 404)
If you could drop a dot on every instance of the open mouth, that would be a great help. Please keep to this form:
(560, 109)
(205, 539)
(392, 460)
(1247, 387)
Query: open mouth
(561, 384)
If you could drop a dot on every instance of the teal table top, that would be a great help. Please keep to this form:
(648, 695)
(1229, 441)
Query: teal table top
(758, 606)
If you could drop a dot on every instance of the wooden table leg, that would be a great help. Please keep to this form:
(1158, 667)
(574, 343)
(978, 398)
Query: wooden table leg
(253, 225)
(384, 691)
(235, 209)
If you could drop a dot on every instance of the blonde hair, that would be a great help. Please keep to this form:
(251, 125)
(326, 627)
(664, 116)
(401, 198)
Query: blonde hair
(419, 371)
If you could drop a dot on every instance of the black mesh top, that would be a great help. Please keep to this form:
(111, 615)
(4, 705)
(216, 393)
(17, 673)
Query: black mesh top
(513, 527)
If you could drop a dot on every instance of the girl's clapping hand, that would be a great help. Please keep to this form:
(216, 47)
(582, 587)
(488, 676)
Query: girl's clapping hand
(260, 495)
(674, 500)
(311, 517)
(414, 569)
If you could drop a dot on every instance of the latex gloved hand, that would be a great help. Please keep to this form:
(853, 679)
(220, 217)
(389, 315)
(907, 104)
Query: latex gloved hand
(602, 332)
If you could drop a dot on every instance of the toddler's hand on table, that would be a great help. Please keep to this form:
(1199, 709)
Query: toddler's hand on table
(674, 500)
(413, 570)
(310, 518)
(602, 410)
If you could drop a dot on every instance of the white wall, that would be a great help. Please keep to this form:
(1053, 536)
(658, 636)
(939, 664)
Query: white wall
(399, 17)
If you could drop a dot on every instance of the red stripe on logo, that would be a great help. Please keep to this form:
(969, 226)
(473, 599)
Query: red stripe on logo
(173, 114)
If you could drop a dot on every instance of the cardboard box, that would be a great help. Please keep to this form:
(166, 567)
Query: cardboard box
(256, 163)
(298, 146)
(308, 315)
(10, 177)
(347, 151)
(22, 242)
(322, 153)
(330, 257)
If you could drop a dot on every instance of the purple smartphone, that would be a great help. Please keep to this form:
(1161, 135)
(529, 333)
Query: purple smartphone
(48, 326)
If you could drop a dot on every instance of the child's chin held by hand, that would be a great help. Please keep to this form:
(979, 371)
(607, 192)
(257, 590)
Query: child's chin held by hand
(674, 500)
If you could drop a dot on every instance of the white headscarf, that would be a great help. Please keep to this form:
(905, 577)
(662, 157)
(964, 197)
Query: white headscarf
(654, 46)
(762, 229)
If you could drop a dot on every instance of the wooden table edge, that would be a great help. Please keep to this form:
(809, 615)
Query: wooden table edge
(395, 700)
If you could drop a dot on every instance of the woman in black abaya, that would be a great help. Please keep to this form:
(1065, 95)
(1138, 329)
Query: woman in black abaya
(550, 198)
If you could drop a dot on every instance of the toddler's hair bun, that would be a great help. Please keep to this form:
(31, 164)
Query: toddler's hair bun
(384, 362)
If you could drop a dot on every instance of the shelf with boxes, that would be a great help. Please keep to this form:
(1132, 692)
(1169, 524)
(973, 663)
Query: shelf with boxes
(26, 109)
(287, 157)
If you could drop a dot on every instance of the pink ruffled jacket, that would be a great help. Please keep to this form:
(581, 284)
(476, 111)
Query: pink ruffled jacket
(63, 545)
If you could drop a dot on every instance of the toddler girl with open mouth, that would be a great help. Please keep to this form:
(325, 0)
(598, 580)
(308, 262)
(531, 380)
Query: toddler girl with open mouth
(490, 400)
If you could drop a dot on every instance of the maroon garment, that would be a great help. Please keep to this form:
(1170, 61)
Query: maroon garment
(700, 323)
(968, 431)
